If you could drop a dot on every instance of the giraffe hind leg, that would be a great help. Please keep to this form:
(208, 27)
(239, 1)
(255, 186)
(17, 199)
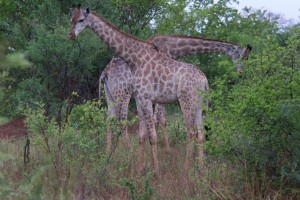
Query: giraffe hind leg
(190, 110)
(122, 118)
(147, 115)
(200, 136)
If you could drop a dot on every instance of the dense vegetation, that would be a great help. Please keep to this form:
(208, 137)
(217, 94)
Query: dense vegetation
(253, 147)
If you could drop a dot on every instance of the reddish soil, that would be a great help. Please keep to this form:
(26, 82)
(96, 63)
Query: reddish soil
(16, 129)
(134, 128)
(13, 129)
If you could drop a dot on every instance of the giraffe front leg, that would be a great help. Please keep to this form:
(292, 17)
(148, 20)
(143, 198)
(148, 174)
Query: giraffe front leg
(153, 142)
(161, 112)
(142, 139)
(189, 149)
(108, 138)
(201, 140)
(151, 130)
(112, 113)
(163, 123)
(141, 160)
(165, 134)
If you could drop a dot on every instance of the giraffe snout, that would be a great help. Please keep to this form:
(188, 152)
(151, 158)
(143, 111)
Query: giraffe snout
(72, 36)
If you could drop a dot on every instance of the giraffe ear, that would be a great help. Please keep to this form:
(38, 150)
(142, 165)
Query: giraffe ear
(246, 52)
(249, 47)
(87, 12)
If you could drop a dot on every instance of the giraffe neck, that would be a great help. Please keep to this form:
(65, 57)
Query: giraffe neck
(117, 40)
(179, 46)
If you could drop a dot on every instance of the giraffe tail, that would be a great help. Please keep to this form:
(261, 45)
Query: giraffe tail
(103, 81)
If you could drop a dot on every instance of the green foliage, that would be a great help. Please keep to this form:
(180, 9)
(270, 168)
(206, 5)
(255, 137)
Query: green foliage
(10, 62)
(60, 66)
(254, 120)
(130, 186)
(90, 124)
(15, 60)
(84, 132)
(254, 115)
(176, 19)
(147, 189)
(77, 146)
(176, 129)
(7, 7)
(135, 16)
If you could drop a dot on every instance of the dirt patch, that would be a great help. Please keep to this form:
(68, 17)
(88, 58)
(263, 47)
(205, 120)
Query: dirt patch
(16, 129)
(134, 128)
(13, 129)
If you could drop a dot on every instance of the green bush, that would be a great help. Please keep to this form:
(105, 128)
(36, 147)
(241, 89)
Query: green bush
(75, 151)
(255, 118)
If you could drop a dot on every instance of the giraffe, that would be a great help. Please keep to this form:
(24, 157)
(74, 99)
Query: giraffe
(118, 92)
(116, 76)
(157, 78)
(116, 81)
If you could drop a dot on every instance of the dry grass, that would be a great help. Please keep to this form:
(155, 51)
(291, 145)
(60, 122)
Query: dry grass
(80, 180)
(57, 176)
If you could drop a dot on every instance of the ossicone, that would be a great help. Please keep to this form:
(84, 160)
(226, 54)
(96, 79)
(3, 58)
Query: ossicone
(249, 47)
(246, 52)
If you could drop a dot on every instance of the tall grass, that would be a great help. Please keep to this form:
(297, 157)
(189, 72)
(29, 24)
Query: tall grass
(65, 163)
(119, 179)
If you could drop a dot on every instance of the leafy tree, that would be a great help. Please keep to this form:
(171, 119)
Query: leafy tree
(136, 17)
(60, 66)
(254, 121)
(10, 63)
(253, 117)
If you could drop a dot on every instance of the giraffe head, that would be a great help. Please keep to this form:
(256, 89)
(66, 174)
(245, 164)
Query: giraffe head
(238, 53)
(246, 52)
(241, 53)
(78, 20)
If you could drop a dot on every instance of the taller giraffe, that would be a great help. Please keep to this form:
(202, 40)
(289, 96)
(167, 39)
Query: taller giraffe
(116, 77)
(156, 79)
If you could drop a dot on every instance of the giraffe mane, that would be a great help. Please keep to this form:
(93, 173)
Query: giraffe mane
(124, 33)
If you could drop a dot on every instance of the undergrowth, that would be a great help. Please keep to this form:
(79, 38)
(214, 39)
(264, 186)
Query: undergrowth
(71, 162)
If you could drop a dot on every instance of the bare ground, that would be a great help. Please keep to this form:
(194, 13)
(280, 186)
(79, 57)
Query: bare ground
(16, 129)
(13, 129)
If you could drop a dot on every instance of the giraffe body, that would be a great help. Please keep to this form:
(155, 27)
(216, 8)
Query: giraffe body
(119, 73)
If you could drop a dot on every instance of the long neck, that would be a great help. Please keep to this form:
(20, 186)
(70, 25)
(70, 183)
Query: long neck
(179, 46)
(117, 40)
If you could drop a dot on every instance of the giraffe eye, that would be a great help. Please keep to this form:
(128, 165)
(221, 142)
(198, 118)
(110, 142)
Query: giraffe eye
(81, 20)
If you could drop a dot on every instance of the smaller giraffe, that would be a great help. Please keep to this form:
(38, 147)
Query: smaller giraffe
(116, 77)
(118, 92)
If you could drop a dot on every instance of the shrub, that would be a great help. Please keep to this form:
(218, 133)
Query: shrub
(255, 120)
